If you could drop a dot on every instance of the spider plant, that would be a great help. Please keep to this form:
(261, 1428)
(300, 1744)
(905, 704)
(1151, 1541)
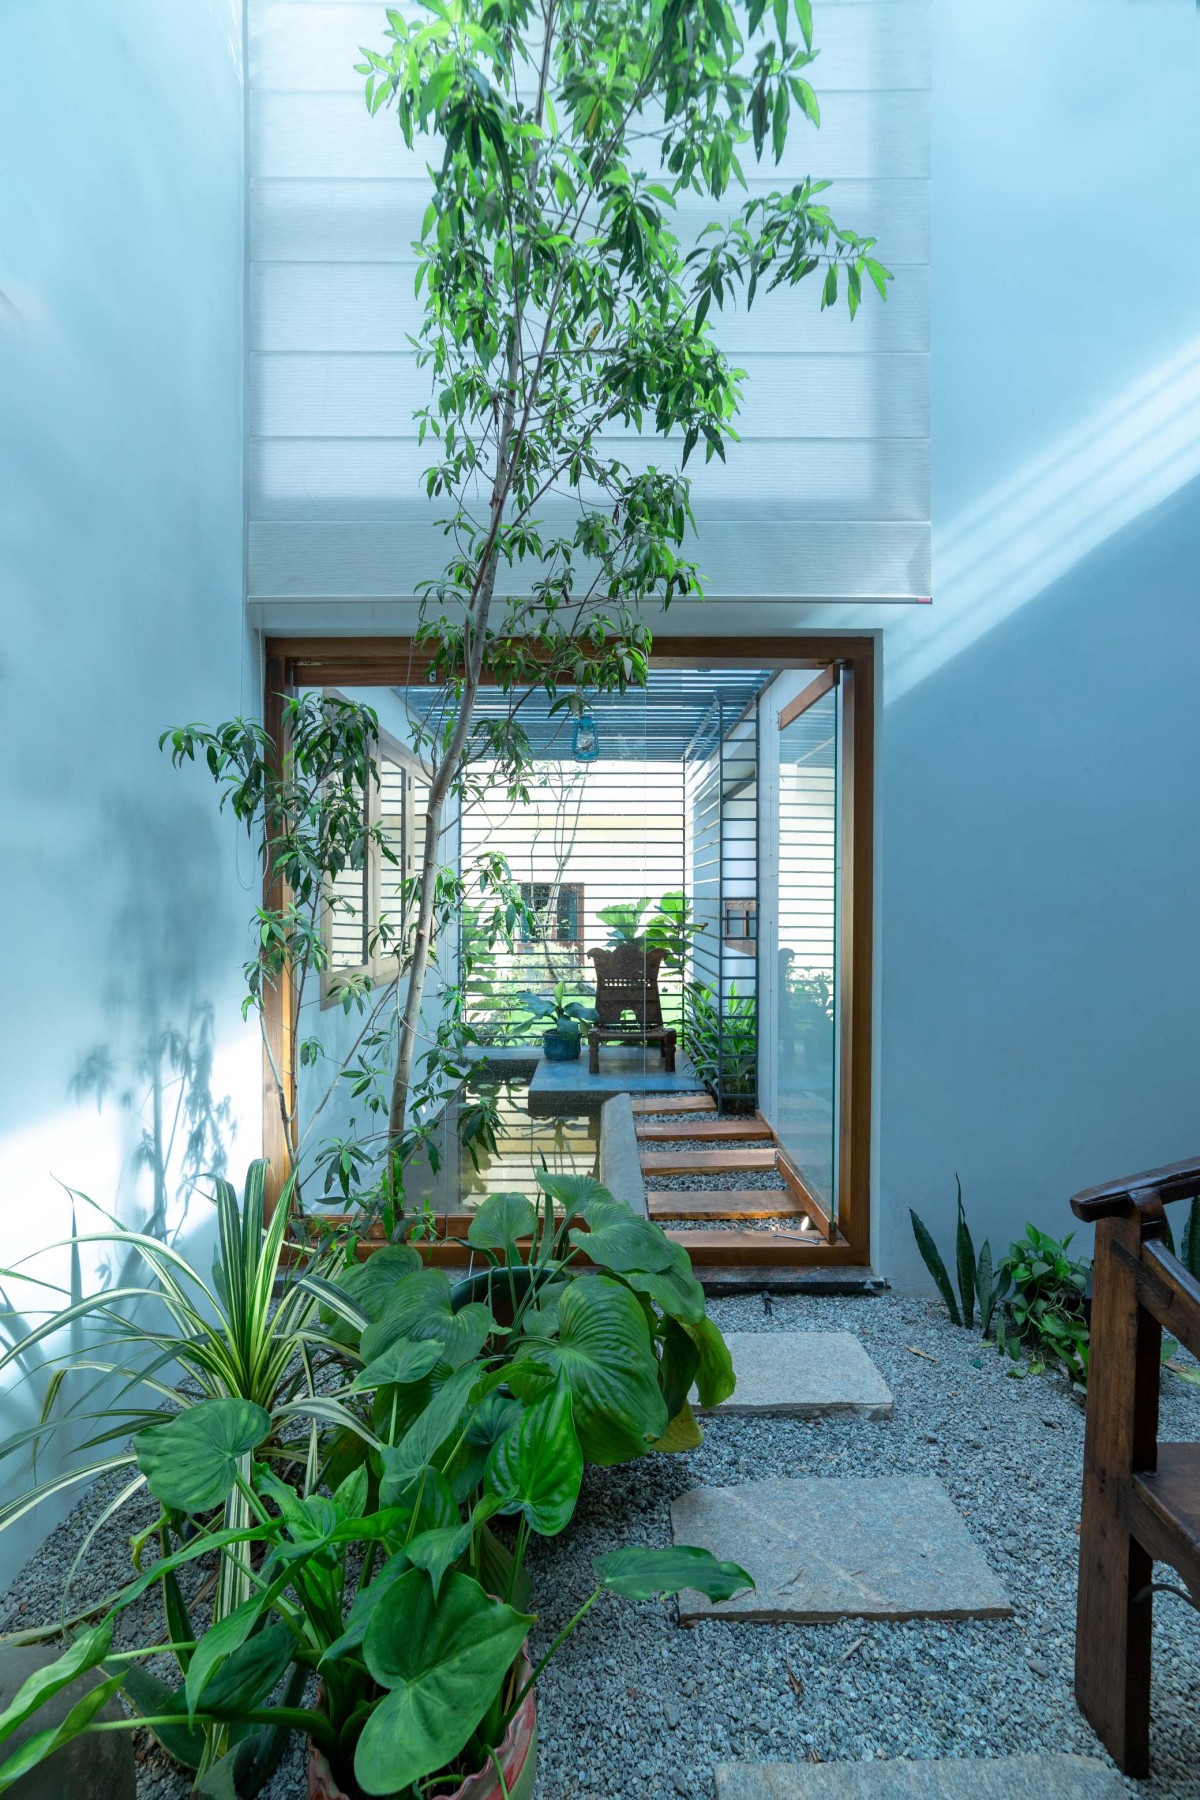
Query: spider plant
(161, 1339)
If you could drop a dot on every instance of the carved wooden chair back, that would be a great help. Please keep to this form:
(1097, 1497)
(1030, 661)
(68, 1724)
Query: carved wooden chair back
(627, 981)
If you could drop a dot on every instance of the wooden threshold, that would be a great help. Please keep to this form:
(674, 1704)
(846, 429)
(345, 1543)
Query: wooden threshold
(707, 1162)
(724, 1203)
(672, 1103)
(706, 1131)
(737, 1249)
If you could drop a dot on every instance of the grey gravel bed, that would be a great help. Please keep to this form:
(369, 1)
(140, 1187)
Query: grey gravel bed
(786, 1224)
(636, 1708)
(737, 1178)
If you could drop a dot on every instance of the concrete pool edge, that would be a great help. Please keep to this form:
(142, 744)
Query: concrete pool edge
(620, 1162)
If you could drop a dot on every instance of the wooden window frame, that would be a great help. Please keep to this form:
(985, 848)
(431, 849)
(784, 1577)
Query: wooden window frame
(564, 887)
(292, 662)
(747, 909)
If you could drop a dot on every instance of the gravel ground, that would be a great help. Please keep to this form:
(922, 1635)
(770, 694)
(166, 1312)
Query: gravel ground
(636, 1708)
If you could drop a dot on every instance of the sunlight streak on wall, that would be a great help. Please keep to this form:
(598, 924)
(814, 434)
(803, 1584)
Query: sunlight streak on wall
(1021, 537)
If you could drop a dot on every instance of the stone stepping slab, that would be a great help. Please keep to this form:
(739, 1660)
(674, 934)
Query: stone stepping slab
(1057, 1777)
(839, 1547)
(804, 1375)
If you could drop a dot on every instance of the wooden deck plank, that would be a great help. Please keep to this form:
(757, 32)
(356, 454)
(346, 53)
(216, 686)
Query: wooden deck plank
(724, 1203)
(672, 1103)
(757, 1249)
(705, 1131)
(706, 1162)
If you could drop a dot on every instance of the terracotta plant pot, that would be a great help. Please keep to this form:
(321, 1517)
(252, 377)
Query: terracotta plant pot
(518, 1761)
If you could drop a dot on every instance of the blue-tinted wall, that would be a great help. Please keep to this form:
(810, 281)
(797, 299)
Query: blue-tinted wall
(1041, 734)
(123, 905)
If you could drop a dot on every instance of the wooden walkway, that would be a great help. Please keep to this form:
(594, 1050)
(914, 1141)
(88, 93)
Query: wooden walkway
(723, 1225)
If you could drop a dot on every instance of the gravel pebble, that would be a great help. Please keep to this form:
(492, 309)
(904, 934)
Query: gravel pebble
(636, 1708)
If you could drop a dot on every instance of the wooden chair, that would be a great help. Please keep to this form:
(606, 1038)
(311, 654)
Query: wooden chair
(627, 981)
(1141, 1499)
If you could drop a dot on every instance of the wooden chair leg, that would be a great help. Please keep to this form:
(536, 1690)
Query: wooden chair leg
(593, 1053)
(1112, 1640)
(668, 1050)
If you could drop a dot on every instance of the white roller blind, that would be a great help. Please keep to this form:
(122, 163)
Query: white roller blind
(826, 496)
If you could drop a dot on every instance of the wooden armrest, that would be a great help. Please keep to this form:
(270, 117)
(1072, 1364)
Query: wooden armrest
(1174, 1181)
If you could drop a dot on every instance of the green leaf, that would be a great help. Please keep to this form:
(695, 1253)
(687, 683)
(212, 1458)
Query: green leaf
(536, 1466)
(985, 1287)
(618, 1239)
(576, 1194)
(155, 1699)
(679, 1362)
(965, 1252)
(443, 1659)
(715, 1379)
(87, 1652)
(42, 1744)
(605, 1351)
(191, 1462)
(254, 1670)
(420, 1307)
(1191, 1241)
(408, 1359)
(805, 21)
(440, 1420)
(640, 1574)
(364, 1604)
(373, 1282)
(218, 1643)
(674, 1290)
(435, 1550)
(683, 1433)
(500, 1221)
(932, 1259)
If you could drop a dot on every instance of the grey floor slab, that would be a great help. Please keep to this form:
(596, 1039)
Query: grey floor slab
(804, 1375)
(1048, 1777)
(819, 1548)
(624, 1069)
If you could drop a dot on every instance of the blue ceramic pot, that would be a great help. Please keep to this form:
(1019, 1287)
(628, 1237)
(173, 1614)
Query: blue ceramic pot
(561, 1048)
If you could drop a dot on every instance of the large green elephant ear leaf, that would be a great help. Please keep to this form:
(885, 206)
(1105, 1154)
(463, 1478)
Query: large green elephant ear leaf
(604, 1350)
(500, 1221)
(372, 1282)
(191, 1462)
(535, 1466)
(621, 1241)
(420, 1308)
(715, 1379)
(673, 1289)
(640, 1574)
(576, 1194)
(443, 1661)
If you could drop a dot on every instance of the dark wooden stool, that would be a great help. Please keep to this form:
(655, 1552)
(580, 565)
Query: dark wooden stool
(1141, 1499)
(627, 981)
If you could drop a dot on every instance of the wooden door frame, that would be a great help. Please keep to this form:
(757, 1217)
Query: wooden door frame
(318, 661)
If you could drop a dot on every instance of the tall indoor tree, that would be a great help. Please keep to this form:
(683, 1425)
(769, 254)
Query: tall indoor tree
(565, 309)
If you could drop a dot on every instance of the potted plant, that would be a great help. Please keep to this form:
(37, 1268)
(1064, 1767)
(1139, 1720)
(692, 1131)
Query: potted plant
(563, 1039)
(392, 1587)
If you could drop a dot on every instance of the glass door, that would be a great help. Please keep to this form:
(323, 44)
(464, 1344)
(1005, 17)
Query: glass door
(808, 947)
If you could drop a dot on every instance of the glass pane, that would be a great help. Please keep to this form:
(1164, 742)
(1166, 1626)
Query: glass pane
(809, 863)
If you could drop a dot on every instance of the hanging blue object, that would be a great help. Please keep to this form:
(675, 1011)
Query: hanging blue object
(585, 739)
